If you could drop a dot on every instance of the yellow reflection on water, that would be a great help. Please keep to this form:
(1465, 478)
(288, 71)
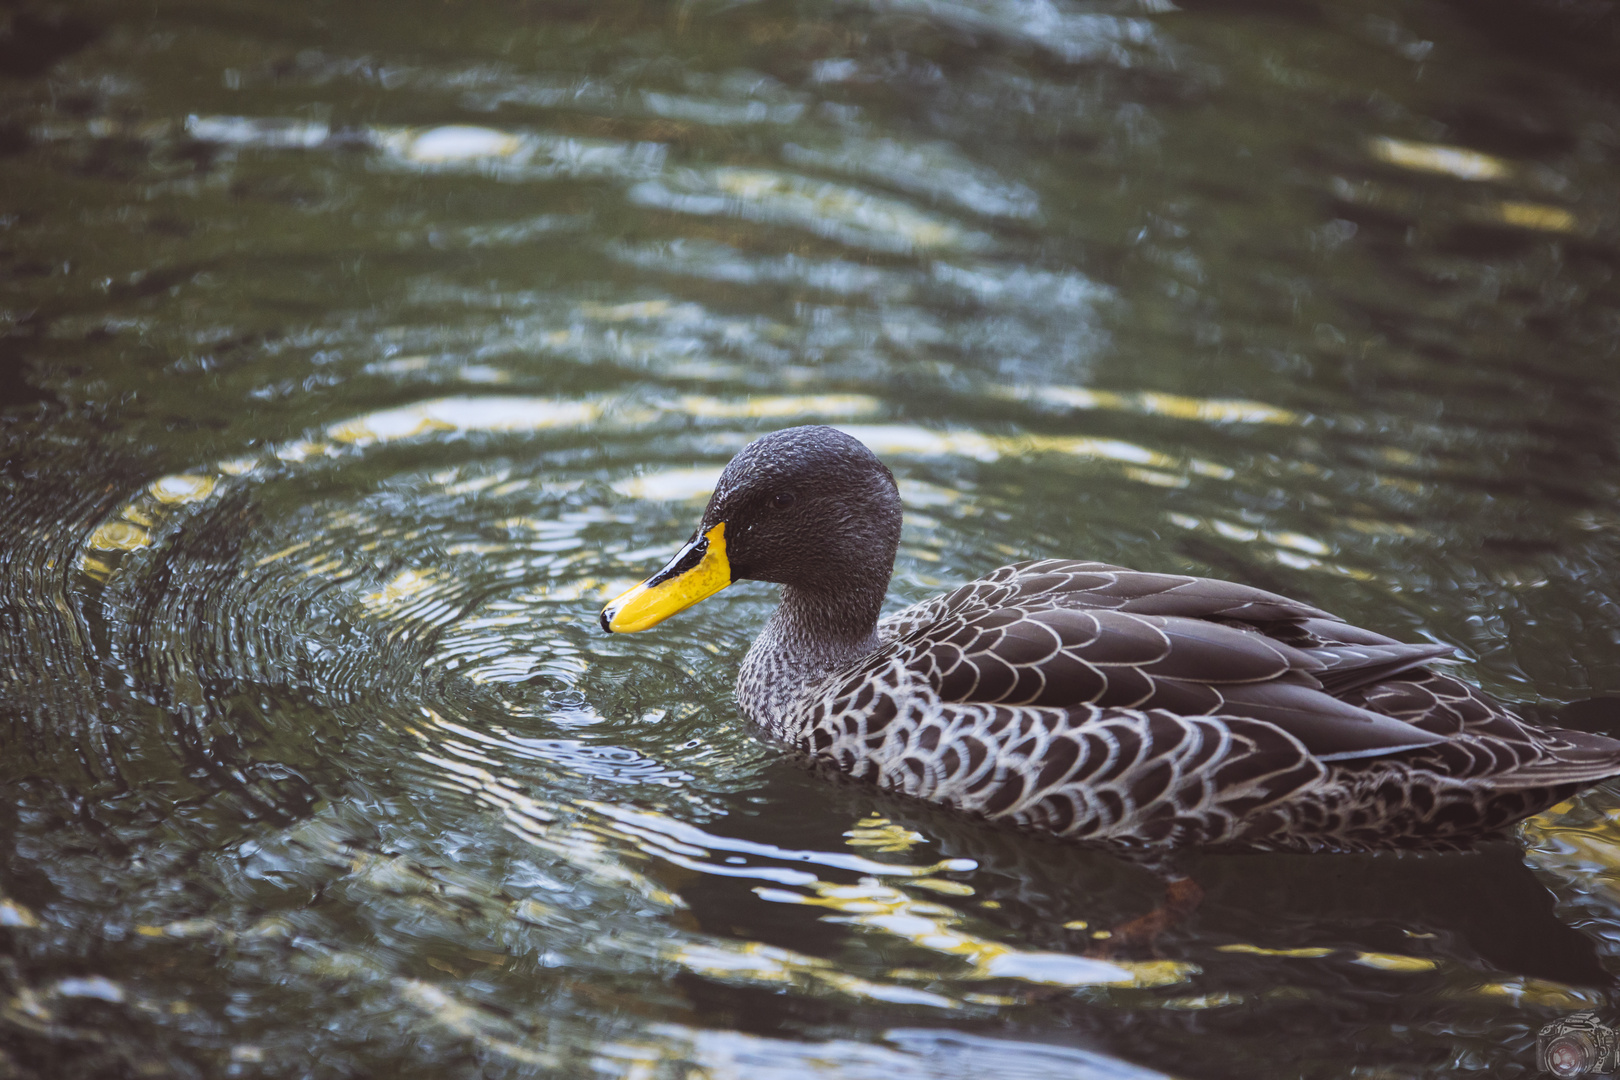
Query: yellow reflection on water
(1393, 961)
(455, 142)
(781, 406)
(883, 835)
(131, 526)
(465, 415)
(671, 485)
(1533, 216)
(406, 585)
(1431, 157)
(1256, 950)
(1379, 960)
(175, 490)
(118, 536)
(1138, 462)
(886, 909)
(1580, 834)
(283, 553)
(752, 961)
(16, 916)
(1522, 990)
(1205, 410)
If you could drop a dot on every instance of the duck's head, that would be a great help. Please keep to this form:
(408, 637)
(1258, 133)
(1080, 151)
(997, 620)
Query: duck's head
(809, 508)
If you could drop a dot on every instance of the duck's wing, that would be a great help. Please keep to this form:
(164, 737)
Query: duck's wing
(1067, 632)
(1065, 657)
(1076, 583)
(1346, 656)
(1073, 583)
(1349, 655)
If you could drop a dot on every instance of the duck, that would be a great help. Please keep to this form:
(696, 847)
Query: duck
(1134, 710)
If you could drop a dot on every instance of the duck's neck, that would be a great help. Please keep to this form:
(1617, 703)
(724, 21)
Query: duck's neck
(812, 634)
(833, 627)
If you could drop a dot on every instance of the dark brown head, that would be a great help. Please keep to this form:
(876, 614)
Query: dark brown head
(809, 507)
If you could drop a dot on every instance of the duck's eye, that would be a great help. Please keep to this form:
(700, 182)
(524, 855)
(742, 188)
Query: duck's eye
(782, 500)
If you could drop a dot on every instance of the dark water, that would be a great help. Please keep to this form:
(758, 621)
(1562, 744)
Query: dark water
(354, 353)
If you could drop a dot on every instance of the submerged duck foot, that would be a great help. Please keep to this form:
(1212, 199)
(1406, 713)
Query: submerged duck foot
(1182, 895)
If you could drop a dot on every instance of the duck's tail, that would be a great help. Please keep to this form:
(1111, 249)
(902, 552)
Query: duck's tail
(1567, 757)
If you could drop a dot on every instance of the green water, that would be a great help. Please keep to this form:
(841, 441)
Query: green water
(354, 354)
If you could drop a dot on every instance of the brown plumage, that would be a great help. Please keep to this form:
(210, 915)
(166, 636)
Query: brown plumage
(1106, 704)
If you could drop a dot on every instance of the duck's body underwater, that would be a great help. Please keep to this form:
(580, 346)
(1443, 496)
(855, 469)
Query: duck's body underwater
(1091, 701)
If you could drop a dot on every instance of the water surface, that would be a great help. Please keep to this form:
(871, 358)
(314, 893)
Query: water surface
(353, 355)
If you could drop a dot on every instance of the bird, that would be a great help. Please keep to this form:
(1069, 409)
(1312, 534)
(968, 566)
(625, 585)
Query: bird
(1133, 710)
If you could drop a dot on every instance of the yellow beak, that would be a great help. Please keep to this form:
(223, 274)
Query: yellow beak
(698, 570)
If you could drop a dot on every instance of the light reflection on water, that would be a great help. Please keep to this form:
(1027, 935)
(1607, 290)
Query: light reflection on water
(350, 358)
